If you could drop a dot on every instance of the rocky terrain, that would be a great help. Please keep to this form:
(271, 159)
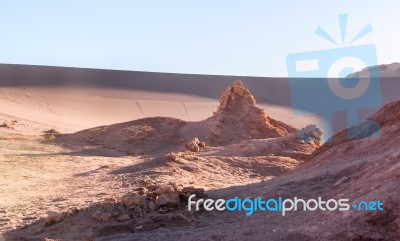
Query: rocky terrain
(384, 71)
(237, 119)
(155, 164)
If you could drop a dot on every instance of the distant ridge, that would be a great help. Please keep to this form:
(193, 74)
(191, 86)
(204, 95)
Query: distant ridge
(267, 90)
(384, 71)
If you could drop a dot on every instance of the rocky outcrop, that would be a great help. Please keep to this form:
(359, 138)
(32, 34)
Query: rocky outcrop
(365, 169)
(310, 134)
(154, 196)
(238, 118)
(195, 145)
(384, 124)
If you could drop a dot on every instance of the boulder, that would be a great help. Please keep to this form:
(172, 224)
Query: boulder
(163, 189)
(101, 217)
(54, 218)
(168, 200)
(310, 134)
(124, 218)
(186, 192)
(195, 145)
(133, 199)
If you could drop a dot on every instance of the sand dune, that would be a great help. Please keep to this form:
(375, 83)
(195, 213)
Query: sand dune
(72, 109)
(73, 99)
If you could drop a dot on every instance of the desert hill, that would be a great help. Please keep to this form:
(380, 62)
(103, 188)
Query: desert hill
(382, 128)
(363, 170)
(237, 119)
(384, 71)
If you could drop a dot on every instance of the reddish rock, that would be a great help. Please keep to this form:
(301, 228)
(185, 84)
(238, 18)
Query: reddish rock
(169, 200)
(101, 217)
(124, 218)
(53, 219)
(238, 118)
(133, 199)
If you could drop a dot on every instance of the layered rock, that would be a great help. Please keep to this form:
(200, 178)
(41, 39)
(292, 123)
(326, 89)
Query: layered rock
(238, 118)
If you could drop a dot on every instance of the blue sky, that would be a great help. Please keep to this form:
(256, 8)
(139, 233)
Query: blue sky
(224, 37)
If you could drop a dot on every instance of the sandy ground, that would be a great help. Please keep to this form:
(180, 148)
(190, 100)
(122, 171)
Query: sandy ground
(38, 176)
(75, 109)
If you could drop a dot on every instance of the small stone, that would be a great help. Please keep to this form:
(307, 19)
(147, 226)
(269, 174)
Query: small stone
(140, 190)
(109, 200)
(168, 200)
(133, 199)
(172, 156)
(53, 219)
(145, 227)
(137, 211)
(195, 145)
(188, 191)
(124, 218)
(101, 217)
(152, 206)
(310, 134)
(73, 211)
(163, 189)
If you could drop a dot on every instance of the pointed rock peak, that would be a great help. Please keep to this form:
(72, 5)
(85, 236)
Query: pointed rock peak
(236, 96)
(238, 118)
(238, 85)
